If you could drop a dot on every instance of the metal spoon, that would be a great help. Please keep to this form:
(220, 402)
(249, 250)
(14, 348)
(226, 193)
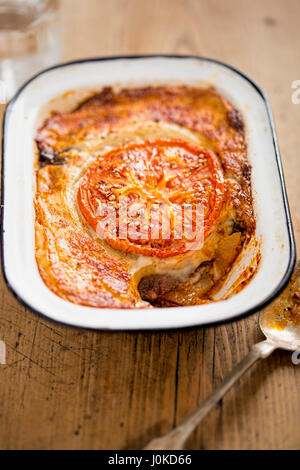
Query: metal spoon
(280, 323)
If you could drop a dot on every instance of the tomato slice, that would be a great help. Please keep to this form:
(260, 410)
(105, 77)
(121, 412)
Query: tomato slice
(132, 196)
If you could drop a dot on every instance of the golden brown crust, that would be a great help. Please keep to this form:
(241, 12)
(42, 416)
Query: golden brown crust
(72, 262)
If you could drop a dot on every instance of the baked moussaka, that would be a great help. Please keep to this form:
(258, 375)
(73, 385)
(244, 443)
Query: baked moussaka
(143, 197)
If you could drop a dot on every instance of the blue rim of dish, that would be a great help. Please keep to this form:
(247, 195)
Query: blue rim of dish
(292, 248)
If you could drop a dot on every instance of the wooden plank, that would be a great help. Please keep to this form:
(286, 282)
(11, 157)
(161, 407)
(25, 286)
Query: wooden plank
(65, 388)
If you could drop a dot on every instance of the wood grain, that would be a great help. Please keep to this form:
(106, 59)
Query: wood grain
(65, 388)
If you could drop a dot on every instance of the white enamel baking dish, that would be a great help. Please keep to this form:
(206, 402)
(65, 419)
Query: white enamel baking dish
(274, 229)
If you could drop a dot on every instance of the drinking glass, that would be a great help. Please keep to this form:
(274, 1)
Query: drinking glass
(30, 40)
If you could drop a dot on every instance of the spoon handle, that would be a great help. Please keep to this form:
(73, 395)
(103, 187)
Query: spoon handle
(176, 438)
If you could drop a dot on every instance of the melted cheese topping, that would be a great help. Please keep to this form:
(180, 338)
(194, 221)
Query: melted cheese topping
(73, 261)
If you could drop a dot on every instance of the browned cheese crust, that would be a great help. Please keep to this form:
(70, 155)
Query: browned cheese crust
(71, 260)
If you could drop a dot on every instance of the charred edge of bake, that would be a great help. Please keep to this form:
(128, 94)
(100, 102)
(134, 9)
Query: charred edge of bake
(156, 285)
(239, 226)
(105, 97)
(235, 120)
(246, 171)
(164, 303)
(48, 157)
(205, 264)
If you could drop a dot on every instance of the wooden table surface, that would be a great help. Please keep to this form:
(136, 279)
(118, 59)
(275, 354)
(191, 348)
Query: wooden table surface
(65, 388)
